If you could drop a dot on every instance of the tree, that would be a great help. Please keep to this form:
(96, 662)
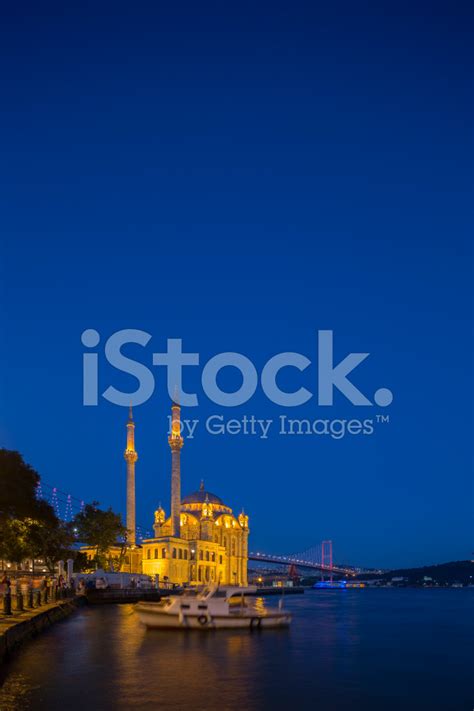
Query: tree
(26, 523)
(15, 544)
(99, 529)
(51, 541)
(82, 564)
(18, 482)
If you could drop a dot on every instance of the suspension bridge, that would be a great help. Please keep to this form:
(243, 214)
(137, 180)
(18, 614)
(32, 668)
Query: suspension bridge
(316, 558)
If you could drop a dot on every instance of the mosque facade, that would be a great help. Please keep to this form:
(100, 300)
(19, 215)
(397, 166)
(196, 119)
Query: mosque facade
(201, 540)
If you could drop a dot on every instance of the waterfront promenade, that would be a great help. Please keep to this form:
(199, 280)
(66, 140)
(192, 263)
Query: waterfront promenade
(26, 619)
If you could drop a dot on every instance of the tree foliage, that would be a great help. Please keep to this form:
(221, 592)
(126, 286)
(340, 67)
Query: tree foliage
(51, 541)
(15, 544)
(82, 564)
(18, 482)
(29, 528)
(99, 529)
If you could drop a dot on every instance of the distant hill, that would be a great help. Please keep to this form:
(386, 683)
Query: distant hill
(460, 571)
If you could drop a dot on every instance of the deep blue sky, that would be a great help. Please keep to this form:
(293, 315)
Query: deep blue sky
(241, 176)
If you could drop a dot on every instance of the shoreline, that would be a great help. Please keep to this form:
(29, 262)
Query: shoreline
(16, 630)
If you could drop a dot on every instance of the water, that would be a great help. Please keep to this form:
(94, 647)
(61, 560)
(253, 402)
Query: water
(355, 649)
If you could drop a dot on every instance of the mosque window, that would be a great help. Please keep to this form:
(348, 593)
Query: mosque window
(174, 552)
(163, 552)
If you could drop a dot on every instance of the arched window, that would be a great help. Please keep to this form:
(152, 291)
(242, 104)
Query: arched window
(180, 553)
(185, 554)
(148, 553)
(174, 552)
(213, 557)
(207, 555)
(156, 552)
(200, 555)
(163, 552)
(200, 574)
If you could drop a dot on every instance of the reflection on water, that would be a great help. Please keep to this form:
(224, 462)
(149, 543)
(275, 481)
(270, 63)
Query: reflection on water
(371, 649)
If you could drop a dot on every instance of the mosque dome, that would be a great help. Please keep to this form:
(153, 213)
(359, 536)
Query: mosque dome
(202, 496)
(199, 497)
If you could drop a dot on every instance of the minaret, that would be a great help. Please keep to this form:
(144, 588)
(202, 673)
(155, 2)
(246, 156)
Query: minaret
(131, 457)
(176, 442)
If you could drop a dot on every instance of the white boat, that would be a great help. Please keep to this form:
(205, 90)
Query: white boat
(213, 607)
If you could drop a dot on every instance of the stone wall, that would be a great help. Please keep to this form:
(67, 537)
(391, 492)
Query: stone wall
(25, 629)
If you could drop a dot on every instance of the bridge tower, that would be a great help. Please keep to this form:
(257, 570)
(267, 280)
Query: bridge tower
(326, 556)
(293, 573)
(131, 457)
(175, 442)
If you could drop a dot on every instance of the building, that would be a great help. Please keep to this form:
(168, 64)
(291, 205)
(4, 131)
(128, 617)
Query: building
(201, 541)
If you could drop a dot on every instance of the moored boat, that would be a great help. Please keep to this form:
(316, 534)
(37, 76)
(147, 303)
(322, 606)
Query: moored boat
(213, 607)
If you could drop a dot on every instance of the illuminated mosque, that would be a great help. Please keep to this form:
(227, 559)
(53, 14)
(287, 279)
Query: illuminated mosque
(201, 541)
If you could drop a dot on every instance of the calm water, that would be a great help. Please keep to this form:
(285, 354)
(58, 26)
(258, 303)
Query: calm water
(362, 649)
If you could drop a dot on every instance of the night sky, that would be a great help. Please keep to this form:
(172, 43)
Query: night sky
(241, 176)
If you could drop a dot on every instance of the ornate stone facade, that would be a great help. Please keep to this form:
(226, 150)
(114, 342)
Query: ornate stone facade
(212, 545)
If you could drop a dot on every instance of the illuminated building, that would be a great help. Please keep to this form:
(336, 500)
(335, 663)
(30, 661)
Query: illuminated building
(201, 541)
